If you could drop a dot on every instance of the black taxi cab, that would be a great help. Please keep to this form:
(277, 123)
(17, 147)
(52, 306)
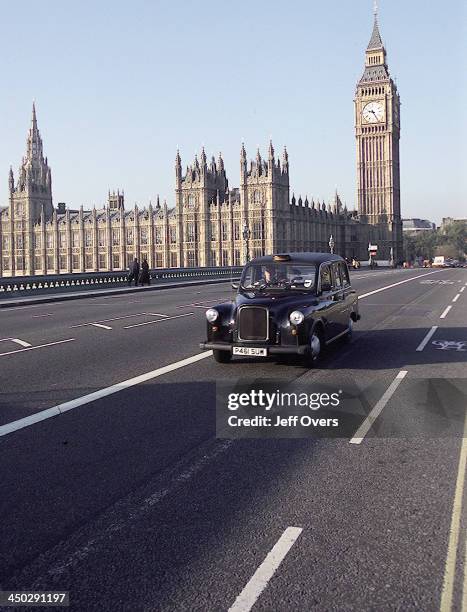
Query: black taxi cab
(286, 304)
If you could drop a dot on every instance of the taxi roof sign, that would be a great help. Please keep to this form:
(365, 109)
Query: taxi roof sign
(281, 257)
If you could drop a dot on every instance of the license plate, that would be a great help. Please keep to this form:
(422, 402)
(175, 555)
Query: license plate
(251, 351)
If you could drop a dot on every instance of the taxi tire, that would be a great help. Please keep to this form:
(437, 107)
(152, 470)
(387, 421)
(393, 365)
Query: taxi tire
(312, 361)
(348, 336)
(221, 356)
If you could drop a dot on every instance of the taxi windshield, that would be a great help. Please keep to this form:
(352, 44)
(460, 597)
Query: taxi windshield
(280, 276)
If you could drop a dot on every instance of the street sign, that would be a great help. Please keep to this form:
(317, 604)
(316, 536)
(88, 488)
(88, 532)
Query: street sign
(372, 248)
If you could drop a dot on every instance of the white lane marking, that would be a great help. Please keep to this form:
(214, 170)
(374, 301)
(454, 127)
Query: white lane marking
(101, 325)
(454, 299)
(376, 411)
(461, 289)
(407, 280)
(188, 314)
(199, 303)
(427, 338)
(33, 348)
(96, 395)
(155, 314)
(43, 315)
(138, 314)
(445, 312)
(21, 342)
(464, 588)
(260, 579)
(450, 567)
(17, 341)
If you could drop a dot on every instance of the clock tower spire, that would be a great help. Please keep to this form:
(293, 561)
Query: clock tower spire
(377, 130)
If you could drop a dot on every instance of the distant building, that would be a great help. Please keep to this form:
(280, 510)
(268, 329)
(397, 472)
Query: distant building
(414, 226)
(211, 223)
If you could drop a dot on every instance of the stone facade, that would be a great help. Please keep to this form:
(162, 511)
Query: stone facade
(212, 224)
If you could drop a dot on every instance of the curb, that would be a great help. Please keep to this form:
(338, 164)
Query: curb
(62, 297)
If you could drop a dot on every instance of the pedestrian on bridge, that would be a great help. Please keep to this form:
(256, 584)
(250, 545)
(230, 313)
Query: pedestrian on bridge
(133, 272)
(145, 277)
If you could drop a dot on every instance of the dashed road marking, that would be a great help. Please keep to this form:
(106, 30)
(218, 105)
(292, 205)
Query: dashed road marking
(33, 348)
(260, 579)
(376, 411)
(188, 314)
(427, 338)
(454, 299)
(101, 325)
(17, 341)
(445, 312)
(138, 314)
(461, 289)
(198, 304)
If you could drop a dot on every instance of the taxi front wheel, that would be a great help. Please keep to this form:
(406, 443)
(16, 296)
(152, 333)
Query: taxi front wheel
(349, 333)
(316, 347)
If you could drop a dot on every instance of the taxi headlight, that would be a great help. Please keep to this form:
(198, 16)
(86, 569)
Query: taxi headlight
(212, 315)
(296, 317)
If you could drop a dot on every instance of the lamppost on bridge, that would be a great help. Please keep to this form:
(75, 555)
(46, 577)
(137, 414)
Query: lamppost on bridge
(246, 237)
(331, 244)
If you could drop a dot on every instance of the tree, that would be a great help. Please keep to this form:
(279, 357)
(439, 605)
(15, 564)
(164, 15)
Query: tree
(455, 235)
(421, 244)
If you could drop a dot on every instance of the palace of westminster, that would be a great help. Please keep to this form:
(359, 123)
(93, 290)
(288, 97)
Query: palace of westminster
(212, 224)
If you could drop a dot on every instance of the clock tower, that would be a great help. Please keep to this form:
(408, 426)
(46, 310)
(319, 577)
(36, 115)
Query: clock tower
(377, 130)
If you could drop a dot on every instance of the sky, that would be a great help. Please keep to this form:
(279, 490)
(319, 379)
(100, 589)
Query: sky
(120, 85)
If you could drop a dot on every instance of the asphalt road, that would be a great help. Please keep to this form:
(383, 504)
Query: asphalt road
(130, 502)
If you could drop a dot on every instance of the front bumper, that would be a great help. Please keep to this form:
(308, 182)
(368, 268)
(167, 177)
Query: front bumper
(301, 349)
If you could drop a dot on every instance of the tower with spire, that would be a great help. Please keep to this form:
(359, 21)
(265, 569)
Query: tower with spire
(377, 125)
(30, 196)
(195, 191)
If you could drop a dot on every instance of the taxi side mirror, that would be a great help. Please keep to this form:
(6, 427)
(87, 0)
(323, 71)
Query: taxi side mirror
(235, 286)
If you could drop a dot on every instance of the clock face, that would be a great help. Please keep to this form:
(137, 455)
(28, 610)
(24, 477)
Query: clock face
(373, 112)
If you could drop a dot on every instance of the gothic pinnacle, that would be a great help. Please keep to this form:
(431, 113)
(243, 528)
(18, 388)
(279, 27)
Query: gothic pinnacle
(271, 150)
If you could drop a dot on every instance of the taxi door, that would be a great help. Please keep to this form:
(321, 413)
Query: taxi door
(330, 302)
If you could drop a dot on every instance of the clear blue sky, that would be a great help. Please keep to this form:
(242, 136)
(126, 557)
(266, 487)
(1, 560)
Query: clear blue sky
(119, 85)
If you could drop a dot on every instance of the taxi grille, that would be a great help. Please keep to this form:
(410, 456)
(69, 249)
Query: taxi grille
(253, 323)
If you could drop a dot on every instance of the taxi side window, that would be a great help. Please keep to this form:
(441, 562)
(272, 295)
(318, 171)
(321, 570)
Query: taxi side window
(326, 278)
(344, 274)
(337, 276)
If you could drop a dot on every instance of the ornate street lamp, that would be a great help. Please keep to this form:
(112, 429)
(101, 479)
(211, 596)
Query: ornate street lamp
(246, 236)
(331, 244)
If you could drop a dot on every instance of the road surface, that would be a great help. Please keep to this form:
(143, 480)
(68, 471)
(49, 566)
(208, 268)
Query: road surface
(127, 499)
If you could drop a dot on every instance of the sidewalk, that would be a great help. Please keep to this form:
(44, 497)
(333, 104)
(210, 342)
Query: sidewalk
(77, 295)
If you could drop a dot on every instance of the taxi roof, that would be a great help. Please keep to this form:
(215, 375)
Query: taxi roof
(303, 258)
